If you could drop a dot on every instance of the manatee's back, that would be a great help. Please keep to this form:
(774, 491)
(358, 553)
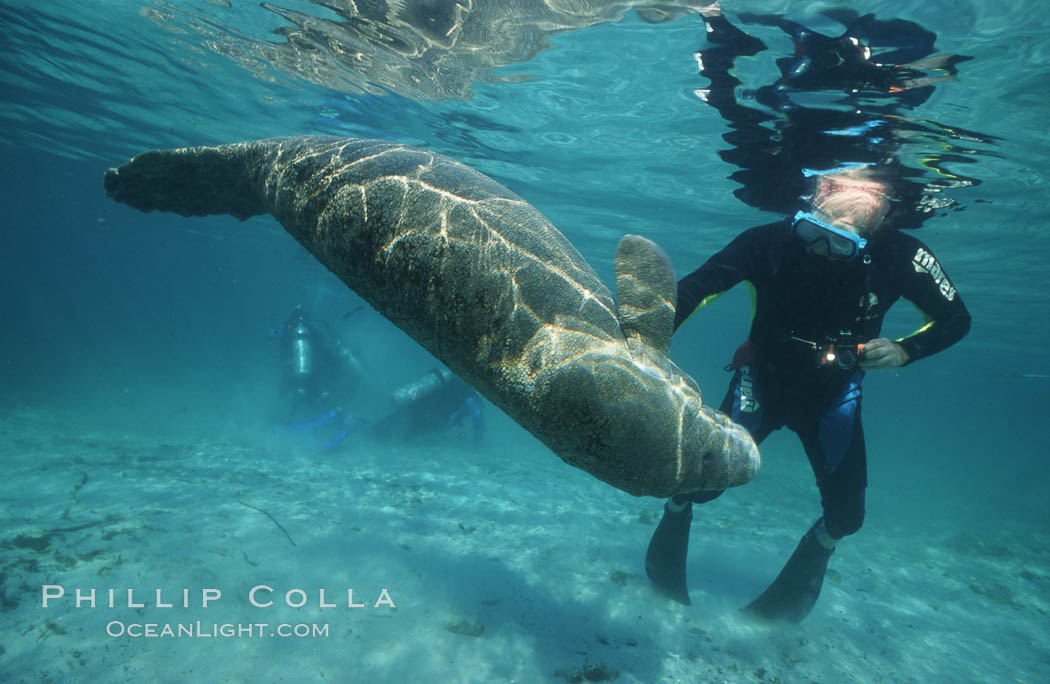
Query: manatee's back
(466, 267)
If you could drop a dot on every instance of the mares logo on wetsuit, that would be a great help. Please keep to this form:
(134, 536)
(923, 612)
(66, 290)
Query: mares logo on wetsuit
(925, 263)
(748, 400)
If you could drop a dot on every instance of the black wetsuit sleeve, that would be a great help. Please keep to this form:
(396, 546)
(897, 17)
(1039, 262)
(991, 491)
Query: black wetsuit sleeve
(737, 262)
(924, 283)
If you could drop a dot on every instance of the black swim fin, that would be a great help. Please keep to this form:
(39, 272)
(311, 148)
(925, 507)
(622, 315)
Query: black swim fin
(794, 592)
(665, 559)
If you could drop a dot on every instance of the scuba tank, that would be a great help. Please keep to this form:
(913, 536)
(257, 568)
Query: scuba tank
(300, 356)
(421, 388)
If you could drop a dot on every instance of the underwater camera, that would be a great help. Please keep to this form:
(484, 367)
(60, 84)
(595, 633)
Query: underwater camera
(842, 351)
(841, 354)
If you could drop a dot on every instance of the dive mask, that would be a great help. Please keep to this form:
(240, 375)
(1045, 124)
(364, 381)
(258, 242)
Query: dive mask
(823, 239)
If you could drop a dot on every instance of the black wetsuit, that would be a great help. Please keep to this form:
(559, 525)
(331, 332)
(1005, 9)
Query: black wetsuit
(798, 296)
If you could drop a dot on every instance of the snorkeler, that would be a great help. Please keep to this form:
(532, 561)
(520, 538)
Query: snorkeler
(822, 279)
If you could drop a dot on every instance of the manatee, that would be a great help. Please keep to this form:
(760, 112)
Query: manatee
(484, 282)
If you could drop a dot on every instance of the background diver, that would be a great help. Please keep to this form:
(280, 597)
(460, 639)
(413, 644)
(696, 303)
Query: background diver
(318, 375)
(822, 280)
(437, 403)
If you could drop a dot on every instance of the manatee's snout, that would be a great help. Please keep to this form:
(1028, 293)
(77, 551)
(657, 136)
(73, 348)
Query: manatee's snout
(725, 453)
(743, 457)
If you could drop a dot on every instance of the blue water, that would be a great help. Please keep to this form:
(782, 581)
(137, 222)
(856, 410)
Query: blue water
(121, 329)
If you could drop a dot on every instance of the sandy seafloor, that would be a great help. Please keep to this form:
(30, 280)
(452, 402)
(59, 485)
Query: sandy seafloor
(544, 561)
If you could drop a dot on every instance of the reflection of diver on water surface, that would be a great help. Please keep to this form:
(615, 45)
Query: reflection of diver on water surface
(839, 101)
(436, 404)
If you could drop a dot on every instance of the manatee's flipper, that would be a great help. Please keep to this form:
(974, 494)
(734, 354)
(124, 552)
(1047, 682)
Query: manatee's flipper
(794, 592)
(191, 181)
(647, 292)
(665, 559)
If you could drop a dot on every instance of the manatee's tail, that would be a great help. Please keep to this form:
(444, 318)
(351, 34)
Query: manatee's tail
(194, 181)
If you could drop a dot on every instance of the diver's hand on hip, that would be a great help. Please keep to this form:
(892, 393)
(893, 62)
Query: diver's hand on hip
(882, 353)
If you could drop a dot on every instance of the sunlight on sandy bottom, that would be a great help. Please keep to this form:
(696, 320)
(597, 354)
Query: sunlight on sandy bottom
(503, 564)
